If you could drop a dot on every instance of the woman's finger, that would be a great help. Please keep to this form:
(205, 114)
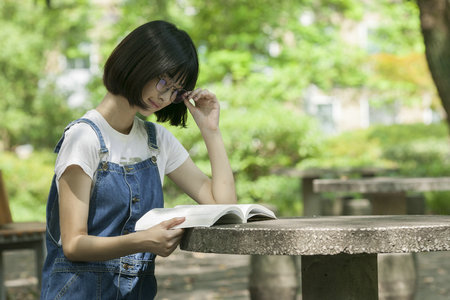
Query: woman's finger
(200, 94)
(195, 95)
(188, 104)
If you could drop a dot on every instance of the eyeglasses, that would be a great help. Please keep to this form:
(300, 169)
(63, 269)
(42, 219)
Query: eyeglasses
(177, 94)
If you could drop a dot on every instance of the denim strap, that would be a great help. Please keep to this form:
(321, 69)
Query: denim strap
(151, 132)
(103, 148)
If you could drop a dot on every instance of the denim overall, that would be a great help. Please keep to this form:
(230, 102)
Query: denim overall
(120, 196)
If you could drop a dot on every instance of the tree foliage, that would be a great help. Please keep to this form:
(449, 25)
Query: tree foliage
(31, 107)
(257, 56)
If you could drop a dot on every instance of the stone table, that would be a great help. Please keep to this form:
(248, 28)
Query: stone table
(387, 194)
(311, 200)
(339, 254)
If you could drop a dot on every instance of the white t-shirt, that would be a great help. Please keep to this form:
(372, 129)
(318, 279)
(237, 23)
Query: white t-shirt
(81, 147)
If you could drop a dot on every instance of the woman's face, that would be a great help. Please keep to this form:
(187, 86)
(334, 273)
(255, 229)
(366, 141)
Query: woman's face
(158, 93)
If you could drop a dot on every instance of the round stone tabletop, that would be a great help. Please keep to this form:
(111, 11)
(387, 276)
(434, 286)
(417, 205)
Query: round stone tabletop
(324, 236)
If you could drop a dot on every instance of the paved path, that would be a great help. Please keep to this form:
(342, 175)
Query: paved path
(186, 276)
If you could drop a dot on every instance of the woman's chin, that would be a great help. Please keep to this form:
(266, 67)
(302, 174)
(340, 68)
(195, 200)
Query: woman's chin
(146, 112)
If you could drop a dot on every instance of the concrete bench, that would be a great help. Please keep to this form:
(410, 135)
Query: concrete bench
(388, 196)
(19, 235)
(338, 254)
(311, 200)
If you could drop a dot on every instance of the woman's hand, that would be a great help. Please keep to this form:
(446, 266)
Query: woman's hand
(161, 239)
(205, 109)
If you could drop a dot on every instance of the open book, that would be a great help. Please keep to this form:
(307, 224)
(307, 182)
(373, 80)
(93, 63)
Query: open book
(205, 215)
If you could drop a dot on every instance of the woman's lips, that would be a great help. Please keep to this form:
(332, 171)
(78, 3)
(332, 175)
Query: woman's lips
(153, 104)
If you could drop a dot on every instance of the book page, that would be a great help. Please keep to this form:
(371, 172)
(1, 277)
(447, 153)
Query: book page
(196, 215)
(253, 210)
(205, 215)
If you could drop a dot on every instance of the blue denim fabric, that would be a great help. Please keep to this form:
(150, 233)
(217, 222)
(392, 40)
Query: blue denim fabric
(121, 195)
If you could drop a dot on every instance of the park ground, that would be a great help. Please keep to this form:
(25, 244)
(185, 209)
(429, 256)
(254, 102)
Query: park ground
(193, 276)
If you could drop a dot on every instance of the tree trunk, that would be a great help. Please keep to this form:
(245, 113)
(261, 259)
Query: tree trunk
(435, 24)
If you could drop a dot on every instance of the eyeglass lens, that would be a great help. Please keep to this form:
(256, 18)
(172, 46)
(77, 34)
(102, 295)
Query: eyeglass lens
(176, 96)
(160, 85)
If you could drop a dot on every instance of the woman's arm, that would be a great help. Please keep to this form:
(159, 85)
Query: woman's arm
(219, 189)
(74, 190)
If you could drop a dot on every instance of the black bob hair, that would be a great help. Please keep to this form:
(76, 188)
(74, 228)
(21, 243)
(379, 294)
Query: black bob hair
(153, 49)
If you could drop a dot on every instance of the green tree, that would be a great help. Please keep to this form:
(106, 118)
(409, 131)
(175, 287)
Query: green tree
(257, 56)
(32, 110)
(260, 88)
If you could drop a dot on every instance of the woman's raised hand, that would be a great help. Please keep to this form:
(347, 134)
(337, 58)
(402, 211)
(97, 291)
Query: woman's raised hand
(205, 109)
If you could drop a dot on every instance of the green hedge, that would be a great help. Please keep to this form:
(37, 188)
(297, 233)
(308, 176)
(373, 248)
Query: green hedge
(27, 182)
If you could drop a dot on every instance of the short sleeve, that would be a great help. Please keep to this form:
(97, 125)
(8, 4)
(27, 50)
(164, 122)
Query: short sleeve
(80, 147)
(174, 151)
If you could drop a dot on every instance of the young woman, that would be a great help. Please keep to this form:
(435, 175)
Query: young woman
(111, 165)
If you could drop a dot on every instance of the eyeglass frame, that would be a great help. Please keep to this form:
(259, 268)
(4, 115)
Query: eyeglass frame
(177, 94)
